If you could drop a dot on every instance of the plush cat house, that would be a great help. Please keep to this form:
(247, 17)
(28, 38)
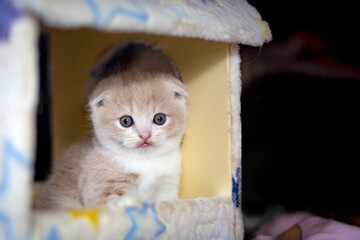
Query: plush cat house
(200, 39)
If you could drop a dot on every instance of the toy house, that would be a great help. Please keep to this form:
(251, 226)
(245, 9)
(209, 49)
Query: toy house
(201, 37)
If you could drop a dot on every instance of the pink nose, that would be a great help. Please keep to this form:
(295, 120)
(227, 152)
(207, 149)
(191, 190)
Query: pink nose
(145, 135)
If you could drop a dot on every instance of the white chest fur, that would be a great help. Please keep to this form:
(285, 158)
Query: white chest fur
(159, 176)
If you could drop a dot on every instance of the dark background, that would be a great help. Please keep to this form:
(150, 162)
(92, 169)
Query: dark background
(335, 22)
(301, 133)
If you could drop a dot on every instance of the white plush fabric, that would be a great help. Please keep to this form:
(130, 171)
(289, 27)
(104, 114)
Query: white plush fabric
(235, 132)
(203, 218)
(18, 102)
(220, 20)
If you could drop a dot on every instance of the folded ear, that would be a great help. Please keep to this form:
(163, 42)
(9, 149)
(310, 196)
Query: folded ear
(98, 99)
(179, 90)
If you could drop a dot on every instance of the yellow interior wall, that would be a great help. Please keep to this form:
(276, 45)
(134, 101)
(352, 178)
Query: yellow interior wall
(204, 68)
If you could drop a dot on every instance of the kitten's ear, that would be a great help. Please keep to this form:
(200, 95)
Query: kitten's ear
(179, 89)
(98, 99)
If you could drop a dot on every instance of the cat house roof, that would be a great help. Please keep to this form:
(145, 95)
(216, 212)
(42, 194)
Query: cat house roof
(219, 20)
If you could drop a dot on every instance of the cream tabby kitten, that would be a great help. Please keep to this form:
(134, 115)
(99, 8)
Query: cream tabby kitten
(139, 119)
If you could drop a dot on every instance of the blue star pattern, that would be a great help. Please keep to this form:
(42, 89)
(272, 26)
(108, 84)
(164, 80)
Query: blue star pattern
(10, 156)
(208, 1)
(53, 234)
(130, 8)
(236, 187)
(144, 220)
(8, 14)
(9, 232)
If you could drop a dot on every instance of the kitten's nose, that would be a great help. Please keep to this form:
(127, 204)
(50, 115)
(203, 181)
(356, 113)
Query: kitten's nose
(145, 135)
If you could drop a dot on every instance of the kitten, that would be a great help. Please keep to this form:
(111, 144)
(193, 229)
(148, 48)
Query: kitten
(138, 119)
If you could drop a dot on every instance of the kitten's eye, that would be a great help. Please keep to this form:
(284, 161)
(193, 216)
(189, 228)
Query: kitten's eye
(126, 121)
(159, 118)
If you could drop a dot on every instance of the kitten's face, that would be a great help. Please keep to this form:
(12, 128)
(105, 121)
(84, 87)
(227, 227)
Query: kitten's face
(139, 112)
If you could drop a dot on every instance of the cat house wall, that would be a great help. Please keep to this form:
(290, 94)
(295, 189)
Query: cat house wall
(217, 20)
(217, 80)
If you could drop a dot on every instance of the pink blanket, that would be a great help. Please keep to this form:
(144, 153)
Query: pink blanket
(305, 226)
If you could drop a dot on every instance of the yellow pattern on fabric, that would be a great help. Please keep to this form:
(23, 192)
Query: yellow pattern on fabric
(92, 215)
(264, 25)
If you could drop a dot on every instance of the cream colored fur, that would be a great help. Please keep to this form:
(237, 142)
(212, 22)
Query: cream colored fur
(112, 164)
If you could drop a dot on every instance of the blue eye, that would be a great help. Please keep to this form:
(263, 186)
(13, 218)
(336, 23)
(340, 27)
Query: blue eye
(126, 121)
(159, 119)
